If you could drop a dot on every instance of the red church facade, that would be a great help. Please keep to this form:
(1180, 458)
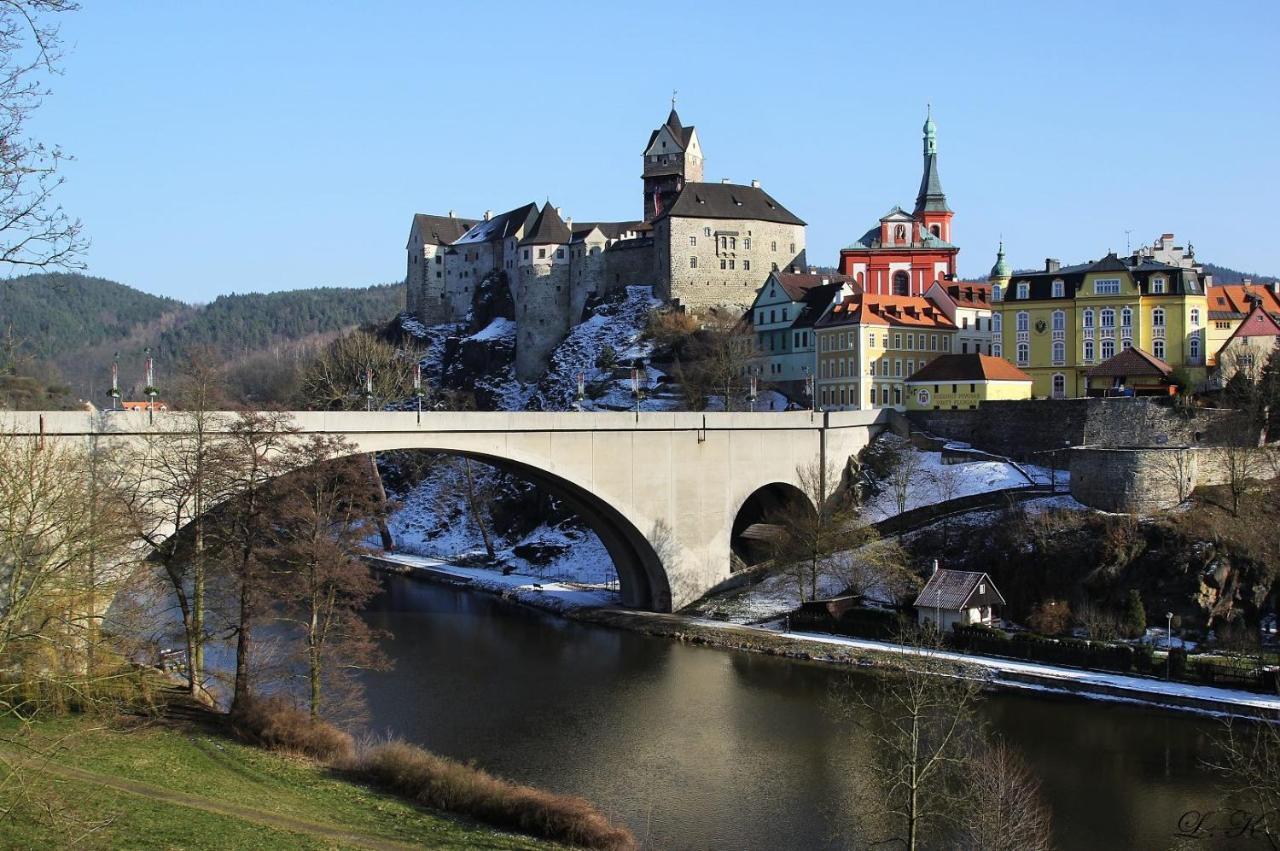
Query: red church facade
(906, 252)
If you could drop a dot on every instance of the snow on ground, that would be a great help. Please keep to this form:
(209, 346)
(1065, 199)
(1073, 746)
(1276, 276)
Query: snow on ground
(500, 328)
(534, 590)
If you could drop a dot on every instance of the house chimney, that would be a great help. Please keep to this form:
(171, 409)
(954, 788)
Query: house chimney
(451, 215)
(1051, 264)
(488, 214)
(1248, 282)
(935, 565)
(569, 223)
(558, 212)
(724, 180)
(755, 184)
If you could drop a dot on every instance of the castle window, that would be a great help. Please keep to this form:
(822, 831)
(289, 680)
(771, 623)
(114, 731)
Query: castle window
(723, 263)
(693, 262)
(542, 254)
(773, 246)
(746, 265)
(733, 243)
(793, 248)
(706, 231)
(693, 240)
(746, 243)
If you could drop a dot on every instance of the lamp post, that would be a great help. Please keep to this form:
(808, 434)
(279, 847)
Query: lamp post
(417, 388)
(114, 392)
(368, 388)
(150, 390)
(582, 390)
(753, 387)
(808, 389)
(1168, 646)
(636, 389)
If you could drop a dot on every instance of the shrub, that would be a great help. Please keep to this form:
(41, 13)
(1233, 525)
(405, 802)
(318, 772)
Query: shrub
(276, 724)
(1052, 617)
(607, 359)
(1177, 663)
(444, 784)
(1135, 616)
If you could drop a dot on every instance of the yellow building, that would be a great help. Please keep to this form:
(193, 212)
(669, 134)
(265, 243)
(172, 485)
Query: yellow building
(869, 344)
(1058, 324)
(963, 381)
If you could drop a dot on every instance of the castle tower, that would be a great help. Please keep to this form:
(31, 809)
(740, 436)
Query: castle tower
(672, 158)
(932, 213)
(542, 292)
(1000, 274)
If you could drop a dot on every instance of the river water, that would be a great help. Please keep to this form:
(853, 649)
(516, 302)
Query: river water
(701, 748)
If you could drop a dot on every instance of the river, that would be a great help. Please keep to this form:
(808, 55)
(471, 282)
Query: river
(699, 748)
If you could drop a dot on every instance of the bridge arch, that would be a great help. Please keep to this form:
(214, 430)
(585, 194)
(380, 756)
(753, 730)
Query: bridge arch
(748, 540)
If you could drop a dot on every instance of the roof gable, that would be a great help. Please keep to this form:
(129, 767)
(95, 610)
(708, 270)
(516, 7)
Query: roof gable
(438, 230)
(547, 229)
(952, 589)
(1257, 324)
(1132, 361)
(967, 368)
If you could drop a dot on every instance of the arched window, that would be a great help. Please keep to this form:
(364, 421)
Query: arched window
(1108, 318)
(1059, 386)
(1088, 351)
(900, 233)
(1126, 318)
(1193, 348)
(1059, 352)
(901, 282)
(1024, 321)
(1195, 317)
(1059, 320)
(997, 292)
(1157, 348)
(1157, 319)
(936, 230)
(1087, 318)
(1108, 348)
(997, 322)
(1024, 353)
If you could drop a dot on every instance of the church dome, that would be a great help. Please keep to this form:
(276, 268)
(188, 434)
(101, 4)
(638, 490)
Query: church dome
(1001, 269)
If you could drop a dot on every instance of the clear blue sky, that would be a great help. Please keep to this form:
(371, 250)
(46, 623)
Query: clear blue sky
(234, 146)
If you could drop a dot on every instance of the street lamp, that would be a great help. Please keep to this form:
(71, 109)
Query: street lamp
(114, 392)
(808, 389)
(581, 391)
(417, 387)
(754, 386)
(150, 389)
(1168, 646)
(368, 388)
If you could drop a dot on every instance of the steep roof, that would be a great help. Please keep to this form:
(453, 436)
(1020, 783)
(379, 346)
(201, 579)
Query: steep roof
(898, 311)
(967, 367)
(1178, 280)
(951, 589)
(682, 134)
(931, 198)
(1132, 361)
(1232, 301)
(728, 201)
(440, 230)
(817, 300)
(611, 230)
(500, 226)
(969, 293)
(1258, 323)
(547, 229)
(797, 284)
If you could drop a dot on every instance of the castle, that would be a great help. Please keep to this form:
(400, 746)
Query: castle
(699, 245)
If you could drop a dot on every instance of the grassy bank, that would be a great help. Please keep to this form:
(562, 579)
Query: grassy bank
(192, 787)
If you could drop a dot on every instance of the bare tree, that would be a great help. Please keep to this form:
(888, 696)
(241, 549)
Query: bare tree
(35, 232)
(904, 475)
(812, 529)
(716, 364)
(917, 721)
(1002, 807)
(1246, 757)
(877, 568)
(1175, 469)
(946, 485)
(321, 516)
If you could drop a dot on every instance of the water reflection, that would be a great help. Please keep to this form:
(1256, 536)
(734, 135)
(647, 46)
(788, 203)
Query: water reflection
(701, 748)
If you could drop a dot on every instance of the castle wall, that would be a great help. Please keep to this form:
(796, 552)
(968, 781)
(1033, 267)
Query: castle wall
(586, 276)
(630, 262)
(542, 295)
(684, 241)
(465, 267)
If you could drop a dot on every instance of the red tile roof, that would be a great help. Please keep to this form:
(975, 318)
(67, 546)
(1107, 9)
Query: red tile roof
(970, 293)
(899, 311)
(967, 367)
(1234, 299)
(1257, 324)
(1131, 361)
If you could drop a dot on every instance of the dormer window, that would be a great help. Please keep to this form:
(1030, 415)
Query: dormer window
(996, 292)
(1024, 290)
(1157, 286)
(1057, 289)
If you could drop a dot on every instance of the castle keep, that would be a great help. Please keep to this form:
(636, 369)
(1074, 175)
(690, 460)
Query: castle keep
(699, 245)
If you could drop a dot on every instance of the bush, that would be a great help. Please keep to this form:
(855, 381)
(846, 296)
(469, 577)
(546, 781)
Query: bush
(1135, 616)
(276, 724)
(1052, 617)
(1177, 663)
(444, 784)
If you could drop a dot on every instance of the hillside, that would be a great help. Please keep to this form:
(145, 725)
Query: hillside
(68, 327)
(1223, 275)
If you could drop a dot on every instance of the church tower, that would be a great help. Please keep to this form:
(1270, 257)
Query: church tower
(672, 158)
(932, 214)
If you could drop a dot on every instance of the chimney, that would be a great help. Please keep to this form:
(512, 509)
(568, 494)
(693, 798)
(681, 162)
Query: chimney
(558, 212)
(451, 215)
(488, 214)
(935, 565)
(755, 184)
(724, 180)
(569, 224)
(1248, 281)
(1275, 287)
(1051, 264)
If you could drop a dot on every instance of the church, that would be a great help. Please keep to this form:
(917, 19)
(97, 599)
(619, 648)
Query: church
(701, 246)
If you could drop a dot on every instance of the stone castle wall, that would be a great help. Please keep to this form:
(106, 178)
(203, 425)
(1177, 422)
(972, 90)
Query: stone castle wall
(708, 285)
(1143, 480)
(542, 298)
(631, 262)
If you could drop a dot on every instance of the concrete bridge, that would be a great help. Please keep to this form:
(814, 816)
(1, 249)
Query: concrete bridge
(666, 492)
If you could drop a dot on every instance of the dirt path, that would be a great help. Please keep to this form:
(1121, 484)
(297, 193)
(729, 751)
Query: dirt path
(267, 819)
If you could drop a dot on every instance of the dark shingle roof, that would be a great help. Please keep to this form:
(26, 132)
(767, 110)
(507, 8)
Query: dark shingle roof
(548, 229)
(729, 201)
(931, 197)
(611, 230)
(500, 226)
(968, 367)
(683, 134)
(1132, 361)
(440, 230)
(797, 284)
(1179, 280)
(951, 589)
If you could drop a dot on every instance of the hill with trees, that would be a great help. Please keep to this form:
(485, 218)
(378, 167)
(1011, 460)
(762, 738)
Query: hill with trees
(61, 331)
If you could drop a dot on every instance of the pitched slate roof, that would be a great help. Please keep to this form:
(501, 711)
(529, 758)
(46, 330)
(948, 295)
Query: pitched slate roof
(500, 226)
(440, 230)
(817, 300)
(899, 311)
(951, 589)
(682, 134)
(871, 239)
(967, 367)
(797, 284)
(931, 198)
(1131, 361)
(547, 229)
(728, 201)
(611, 230)
(1178, 280)
(1232, 301)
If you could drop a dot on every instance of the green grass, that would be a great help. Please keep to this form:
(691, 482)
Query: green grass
(217, 769)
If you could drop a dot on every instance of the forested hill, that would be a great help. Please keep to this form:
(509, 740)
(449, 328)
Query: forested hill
(1223, 275)
(69, 326)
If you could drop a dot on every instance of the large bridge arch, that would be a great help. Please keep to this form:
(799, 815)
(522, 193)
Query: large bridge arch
(759, 509)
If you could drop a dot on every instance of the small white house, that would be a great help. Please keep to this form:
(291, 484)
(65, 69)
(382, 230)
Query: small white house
(961, 597)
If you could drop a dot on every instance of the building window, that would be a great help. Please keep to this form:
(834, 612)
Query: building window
(706, 231)
(542, 254)
(793, 248)
(1106, 286)
(871, 340)
(693, 240)
(1193, 348)
(933, 342)
(1024, 353)
(1059, 386)
(559, 253)
(1086, 318)
(746, 243)
(526, 254)
(1157, 286)
(1195, 317)
(997, 322)
(1126, 318)
(773, 246)
(901, 283)
(1108, 318)
(1059, 320)
(1088, 351)
(1059, 353)
(1157, 317)
(997, 292)
(1024, 290)
(693, 262)
(1108, 348)
(936, 230)
(746, 265)
(1157, 348)
(946, 344)
(1024, 321)
(723, 263)
(897, 368)
(911, 342)
(730, 262)
(897, 340)
(1057, 289)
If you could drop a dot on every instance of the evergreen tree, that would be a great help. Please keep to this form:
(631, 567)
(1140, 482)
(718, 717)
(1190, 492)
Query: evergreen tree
(1135, 616)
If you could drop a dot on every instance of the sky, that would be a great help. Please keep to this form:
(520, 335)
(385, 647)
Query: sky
(231, 147)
